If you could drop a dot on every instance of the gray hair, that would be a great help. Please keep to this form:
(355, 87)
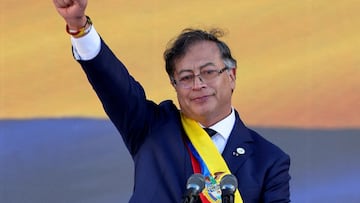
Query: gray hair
(178, 47)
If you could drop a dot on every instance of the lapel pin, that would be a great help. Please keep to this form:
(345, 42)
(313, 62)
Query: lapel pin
(239, 151)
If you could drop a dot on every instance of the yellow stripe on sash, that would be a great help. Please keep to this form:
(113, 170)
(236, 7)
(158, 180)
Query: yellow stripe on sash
(206, 149)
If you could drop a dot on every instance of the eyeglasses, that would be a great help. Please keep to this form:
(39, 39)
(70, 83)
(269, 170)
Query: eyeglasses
(186, 80)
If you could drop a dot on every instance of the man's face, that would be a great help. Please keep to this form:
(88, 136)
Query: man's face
(204, 101)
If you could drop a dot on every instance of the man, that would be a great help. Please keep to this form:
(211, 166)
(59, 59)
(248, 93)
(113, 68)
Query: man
(169, 145)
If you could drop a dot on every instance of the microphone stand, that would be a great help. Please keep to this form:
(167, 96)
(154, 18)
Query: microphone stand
(227, 196)
(192, 199)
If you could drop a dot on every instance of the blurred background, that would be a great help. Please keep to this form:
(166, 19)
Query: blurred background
(297, 84)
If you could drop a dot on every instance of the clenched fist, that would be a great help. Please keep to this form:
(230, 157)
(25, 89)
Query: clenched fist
(73, 12)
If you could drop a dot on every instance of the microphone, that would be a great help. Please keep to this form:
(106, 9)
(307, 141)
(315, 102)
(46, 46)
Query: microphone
(195, 184)
(228, 185)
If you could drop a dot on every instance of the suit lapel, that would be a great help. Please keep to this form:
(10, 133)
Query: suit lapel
(239, 146)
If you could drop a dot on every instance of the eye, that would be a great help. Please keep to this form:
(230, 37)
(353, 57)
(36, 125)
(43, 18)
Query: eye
(208, 73)
(186, 78)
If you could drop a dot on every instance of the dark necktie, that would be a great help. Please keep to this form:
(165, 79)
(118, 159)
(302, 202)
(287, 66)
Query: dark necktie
(209, 131)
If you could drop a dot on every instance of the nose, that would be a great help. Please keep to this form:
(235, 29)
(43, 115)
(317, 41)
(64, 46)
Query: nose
(198, 82)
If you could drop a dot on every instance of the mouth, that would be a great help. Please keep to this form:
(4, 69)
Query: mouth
(201, 99)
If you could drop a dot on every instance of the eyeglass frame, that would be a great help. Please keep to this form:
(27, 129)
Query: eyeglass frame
(193, 76)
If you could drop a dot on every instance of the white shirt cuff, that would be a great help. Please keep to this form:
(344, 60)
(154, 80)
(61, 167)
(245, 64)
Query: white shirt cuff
(86, 47)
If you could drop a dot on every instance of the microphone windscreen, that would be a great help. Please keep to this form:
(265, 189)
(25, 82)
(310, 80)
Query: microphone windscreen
(229, 181)
(196, 181)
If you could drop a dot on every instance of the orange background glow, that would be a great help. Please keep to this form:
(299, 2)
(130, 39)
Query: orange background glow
(298, 61)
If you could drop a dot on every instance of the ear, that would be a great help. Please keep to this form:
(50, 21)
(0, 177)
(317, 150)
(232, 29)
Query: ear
(172, 83)
(233, 74)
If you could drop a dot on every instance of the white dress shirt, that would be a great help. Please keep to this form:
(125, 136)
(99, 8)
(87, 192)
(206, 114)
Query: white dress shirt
(86, 47)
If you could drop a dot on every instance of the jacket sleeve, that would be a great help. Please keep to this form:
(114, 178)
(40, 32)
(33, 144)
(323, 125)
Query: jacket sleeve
(276, 188)
(122, 97)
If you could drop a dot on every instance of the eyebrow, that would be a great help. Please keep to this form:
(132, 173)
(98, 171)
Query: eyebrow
(200, 67)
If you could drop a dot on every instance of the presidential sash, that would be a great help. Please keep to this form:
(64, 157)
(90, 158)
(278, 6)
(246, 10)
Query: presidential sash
(210, 161)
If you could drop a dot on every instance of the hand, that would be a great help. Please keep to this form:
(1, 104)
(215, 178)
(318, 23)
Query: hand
(73, 12)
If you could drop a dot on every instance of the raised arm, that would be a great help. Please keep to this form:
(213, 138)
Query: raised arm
(123, 98)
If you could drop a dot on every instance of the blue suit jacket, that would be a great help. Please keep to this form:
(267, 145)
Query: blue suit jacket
(154, 135)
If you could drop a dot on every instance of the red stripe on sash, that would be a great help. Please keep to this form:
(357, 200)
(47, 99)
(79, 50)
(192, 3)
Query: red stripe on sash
(197, 169)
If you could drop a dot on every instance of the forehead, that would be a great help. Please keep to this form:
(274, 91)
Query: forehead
(197, 55)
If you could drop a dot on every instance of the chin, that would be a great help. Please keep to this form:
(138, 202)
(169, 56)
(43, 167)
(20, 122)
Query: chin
(196, 111)
(201, 114)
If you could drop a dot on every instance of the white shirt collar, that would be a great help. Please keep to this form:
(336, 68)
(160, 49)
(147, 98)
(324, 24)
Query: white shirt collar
(225, 126)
